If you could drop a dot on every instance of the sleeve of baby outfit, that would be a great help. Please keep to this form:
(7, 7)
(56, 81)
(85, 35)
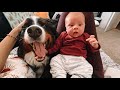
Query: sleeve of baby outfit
(57, 44)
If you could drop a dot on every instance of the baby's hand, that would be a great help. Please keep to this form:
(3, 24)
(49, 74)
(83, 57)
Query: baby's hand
(92, 40)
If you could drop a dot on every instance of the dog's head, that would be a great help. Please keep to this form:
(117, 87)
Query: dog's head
(38, 34)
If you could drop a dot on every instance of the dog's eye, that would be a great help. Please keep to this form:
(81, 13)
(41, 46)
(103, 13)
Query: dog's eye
(42, 21)
(28, 22)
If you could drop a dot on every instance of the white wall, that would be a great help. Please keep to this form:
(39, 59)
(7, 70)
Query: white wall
(105, 19)
(109, 20)
(113, 22)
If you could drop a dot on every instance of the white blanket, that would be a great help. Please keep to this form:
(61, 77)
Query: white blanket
(110, 67)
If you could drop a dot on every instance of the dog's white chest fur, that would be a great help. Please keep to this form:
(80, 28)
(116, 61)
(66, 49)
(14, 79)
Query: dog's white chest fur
(30, 59)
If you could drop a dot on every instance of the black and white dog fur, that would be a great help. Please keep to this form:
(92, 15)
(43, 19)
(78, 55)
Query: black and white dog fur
(37, 35)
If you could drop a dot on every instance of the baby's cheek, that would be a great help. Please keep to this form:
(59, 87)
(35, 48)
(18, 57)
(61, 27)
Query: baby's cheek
(68, 30)
(81, 32)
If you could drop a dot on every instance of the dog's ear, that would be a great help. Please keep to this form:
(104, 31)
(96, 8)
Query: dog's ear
(49, 24)
(53, 23)
(52, 26)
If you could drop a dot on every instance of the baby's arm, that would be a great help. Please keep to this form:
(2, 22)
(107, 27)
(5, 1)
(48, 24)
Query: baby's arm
(56, 46)
(93, 42)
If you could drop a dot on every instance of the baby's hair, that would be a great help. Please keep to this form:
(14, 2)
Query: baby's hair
(76, 12)
(75, 16)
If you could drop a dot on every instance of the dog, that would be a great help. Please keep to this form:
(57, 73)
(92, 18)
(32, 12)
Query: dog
(37, 35)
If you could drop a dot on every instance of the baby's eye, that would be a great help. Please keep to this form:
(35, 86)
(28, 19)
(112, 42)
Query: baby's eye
(71, 25)
(80, 24)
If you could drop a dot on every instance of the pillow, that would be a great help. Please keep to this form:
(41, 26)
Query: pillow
(42, 14)
(14, 18)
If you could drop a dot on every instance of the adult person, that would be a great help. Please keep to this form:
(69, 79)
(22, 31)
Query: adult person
(7, 44)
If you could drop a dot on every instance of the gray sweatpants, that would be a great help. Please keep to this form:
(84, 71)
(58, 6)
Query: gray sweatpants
(76, 66)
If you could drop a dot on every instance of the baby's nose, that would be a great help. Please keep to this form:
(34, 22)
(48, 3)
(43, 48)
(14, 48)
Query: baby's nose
(75, 27)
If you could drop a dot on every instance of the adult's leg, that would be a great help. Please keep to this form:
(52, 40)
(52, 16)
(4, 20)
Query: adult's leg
(5, 27)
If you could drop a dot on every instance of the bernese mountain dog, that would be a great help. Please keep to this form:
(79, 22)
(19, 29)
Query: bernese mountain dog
(37, 35)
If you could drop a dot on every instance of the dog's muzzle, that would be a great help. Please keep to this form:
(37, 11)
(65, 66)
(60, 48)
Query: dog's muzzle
(35, 36)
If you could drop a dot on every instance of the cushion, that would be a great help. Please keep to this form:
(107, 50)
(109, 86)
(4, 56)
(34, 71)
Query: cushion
(42, 14)
(14, 18)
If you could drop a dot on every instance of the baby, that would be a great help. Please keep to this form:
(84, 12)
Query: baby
(73, 45)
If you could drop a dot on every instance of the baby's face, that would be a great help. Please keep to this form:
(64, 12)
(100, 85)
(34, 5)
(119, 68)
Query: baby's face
(75, 24)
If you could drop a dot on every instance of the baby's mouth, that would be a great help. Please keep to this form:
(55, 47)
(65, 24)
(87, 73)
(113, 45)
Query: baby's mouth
(75, 33)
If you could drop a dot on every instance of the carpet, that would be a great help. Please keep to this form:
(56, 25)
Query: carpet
(111, 69)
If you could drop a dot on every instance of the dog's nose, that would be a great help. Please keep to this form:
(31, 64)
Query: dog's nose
(34, 32)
